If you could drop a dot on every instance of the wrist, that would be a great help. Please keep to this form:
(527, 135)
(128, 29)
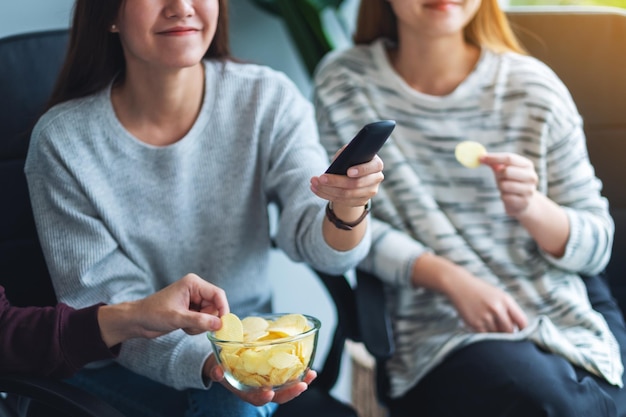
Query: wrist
(115, 325)
(345, 219)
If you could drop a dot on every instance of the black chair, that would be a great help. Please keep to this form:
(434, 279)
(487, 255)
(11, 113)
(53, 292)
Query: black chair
(30, 65)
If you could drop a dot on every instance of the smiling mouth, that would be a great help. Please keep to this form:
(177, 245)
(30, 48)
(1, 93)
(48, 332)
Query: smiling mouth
(179, 31)
(440, 5)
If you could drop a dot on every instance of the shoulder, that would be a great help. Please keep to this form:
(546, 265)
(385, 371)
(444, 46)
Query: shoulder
(247, 86)
(538, 80)
(72, 113)
(352, 59)
(55, 133)
(356, 61)
(531, 87)
(345, 75)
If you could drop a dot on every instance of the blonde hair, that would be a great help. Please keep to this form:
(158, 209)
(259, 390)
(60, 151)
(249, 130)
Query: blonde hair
(489, 28)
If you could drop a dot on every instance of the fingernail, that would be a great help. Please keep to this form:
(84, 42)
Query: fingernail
(353, 172)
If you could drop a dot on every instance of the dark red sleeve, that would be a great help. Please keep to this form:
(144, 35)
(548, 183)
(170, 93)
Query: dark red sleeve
(49, 341)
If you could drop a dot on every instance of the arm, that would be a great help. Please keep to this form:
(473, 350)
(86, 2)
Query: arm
(296, 179)
(191, 304)
(57, 341)
(49, 341)
(482, 306)
(545, 220)
(559, 202)
(392, 251)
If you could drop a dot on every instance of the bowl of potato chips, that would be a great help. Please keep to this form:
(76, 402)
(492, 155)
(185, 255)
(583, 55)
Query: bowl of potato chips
(265, 351)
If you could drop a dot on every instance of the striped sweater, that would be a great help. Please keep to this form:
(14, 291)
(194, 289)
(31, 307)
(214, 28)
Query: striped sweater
(429, 202)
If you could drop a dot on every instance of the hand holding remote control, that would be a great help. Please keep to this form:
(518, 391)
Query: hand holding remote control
(363, 147)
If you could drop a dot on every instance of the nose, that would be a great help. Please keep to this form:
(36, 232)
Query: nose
(179, 9)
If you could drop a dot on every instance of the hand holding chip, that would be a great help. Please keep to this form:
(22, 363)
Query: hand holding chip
(515, 175)
(516, 179)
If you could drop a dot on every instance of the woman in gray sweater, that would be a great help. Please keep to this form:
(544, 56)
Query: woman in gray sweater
(159, 156)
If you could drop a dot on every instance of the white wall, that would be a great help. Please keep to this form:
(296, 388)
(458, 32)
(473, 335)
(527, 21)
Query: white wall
(27, 15)
(255, 36)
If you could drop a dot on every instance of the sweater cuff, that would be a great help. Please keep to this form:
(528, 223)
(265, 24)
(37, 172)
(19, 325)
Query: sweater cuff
(81, 339)
(580, 242)
(392, 257)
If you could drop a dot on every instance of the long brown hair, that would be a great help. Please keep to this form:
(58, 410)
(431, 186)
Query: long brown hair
(95, 55)
(489, 28)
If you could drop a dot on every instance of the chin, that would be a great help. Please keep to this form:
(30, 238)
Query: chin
(183, 63)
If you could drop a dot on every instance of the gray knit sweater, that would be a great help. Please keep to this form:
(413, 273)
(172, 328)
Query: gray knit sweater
(429, 202)
(119, 219)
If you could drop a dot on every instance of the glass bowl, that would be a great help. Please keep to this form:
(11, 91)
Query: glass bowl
(277, 359)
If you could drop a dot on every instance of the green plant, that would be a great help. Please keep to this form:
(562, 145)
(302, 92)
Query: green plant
(316, 26)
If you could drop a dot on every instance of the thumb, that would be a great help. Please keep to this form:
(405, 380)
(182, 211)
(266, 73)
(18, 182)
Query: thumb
(518, 317)
(217, 373)
(194, 322)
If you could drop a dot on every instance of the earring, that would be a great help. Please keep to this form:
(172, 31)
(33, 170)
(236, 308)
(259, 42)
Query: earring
(113, 27)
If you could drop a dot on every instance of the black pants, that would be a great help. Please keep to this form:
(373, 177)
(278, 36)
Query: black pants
(518, 379)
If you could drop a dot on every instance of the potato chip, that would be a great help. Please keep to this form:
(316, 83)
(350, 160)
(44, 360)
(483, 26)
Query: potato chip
(282, 360)
(468, 153)
(288, 325)
(231, 329)
(253, 324)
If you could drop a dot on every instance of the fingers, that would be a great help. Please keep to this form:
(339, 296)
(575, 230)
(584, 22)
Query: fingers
(505, 317)
(511, 169)
(507, 323)
(288, 394)
(354, 190)
(256, 398)
(505, 159)
(196, 323)
(310, 376)
(263, 396)
(518, 316)
(372, 167)
(206, 297)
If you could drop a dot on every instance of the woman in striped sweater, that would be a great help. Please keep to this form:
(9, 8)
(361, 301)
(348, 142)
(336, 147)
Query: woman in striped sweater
(491, 274)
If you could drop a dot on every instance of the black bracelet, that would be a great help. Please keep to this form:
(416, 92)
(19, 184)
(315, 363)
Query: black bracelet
(340, 224)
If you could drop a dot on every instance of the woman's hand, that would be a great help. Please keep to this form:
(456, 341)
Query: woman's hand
(191, 304)
(261, 396)
(349, 195)
(516, 179)
(545, 220)
(353, 190)
(484, 307)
